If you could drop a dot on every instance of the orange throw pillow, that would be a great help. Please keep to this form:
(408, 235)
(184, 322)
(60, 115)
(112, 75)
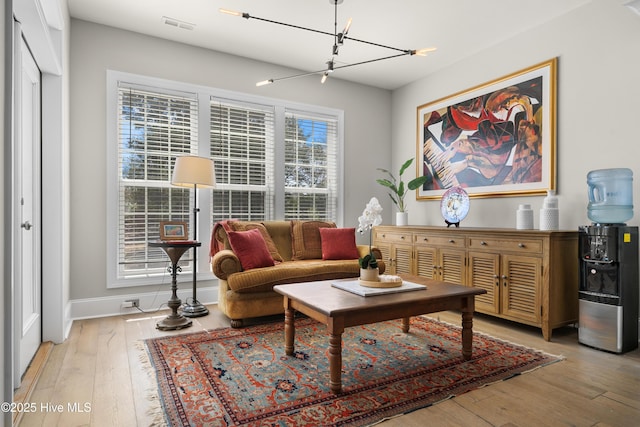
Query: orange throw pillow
(250, 248)
(339, 243)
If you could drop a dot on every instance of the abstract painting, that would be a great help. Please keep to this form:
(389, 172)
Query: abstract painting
(496, 139)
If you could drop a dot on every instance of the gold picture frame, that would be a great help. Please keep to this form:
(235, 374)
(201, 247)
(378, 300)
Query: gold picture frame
(173, 230)
(495, 139)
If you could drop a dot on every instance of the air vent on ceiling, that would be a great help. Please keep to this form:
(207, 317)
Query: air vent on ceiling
(178, 23)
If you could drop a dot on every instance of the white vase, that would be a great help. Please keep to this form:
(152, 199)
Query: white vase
(524, 217)
(549, 214)
(402, 218)
(369, 274)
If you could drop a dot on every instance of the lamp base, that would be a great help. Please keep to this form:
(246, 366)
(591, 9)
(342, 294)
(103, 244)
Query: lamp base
(194, 309)
(173, 323)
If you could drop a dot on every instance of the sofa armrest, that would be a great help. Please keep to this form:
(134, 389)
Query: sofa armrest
(364, 250)
(224, 263)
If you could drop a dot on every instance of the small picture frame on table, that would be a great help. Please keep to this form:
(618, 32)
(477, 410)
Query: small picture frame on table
(173, 230)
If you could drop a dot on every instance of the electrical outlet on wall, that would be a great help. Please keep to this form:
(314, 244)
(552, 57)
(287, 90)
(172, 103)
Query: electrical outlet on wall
(135, 302)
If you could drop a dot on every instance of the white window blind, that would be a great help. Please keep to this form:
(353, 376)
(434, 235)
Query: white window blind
(310, 165)
(242, 147)
(153, 128)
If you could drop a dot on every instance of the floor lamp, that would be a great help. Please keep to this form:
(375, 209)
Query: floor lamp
(194, 172)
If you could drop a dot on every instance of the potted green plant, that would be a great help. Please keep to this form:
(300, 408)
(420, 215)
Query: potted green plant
(371, 216)
(398, 189)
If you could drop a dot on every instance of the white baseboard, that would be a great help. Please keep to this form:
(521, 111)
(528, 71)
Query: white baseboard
(112, 306)
(149, 302)
(68, 321)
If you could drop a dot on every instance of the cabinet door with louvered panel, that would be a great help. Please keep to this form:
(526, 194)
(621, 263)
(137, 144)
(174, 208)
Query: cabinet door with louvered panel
(397, 258)
(452, 266)
(426, 262)
(385, 249)
(402, 259)
(521, 277)
(484, 270)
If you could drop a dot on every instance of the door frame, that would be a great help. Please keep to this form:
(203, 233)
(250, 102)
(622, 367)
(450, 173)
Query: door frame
(47, 35)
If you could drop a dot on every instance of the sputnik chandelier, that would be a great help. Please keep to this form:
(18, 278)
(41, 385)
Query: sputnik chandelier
(338, 40)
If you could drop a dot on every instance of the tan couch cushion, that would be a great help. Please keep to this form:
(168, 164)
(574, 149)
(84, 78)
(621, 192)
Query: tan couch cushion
(264, 279)
(305, 239)
(280, 232)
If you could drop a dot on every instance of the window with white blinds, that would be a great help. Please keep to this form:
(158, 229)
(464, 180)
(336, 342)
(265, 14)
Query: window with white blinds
(153, 128)
(273, 160)
(242, 147)
(310, 165)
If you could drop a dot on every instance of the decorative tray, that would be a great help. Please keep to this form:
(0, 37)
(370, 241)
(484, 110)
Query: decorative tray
(386, 281)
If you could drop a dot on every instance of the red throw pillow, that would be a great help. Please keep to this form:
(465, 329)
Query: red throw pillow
(339, 243)
(244, 226)
(250, 248)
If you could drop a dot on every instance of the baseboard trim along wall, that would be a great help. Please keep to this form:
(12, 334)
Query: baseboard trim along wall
(150, 302)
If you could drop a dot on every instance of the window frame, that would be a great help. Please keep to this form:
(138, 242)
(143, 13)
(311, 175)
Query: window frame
(204, 96)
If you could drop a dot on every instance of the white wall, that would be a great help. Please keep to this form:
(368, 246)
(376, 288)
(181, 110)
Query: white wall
(96, 48)
(598, 92)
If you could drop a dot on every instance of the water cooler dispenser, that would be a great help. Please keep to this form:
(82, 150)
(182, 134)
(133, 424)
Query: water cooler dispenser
(608, 295)
(609, 287)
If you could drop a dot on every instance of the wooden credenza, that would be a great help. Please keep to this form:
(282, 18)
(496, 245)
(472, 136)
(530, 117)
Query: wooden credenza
(530, 276)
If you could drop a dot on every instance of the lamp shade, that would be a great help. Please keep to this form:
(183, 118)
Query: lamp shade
(193, 171)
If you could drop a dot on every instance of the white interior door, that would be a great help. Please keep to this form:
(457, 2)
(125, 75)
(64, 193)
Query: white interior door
(28, 304)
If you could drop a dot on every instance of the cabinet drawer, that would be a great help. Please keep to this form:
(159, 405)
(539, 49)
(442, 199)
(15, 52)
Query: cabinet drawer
(447, 241)
(531, 246)
(394, 237)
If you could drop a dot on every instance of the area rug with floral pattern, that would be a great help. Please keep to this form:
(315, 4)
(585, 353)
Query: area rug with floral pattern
(242, 377)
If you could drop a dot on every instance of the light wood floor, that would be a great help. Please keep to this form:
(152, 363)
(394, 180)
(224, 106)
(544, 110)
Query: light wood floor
(99, 365)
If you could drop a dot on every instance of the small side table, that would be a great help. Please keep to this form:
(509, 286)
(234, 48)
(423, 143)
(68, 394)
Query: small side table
(174, 249)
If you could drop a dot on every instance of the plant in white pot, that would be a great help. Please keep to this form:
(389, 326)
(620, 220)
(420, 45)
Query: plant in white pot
(371, 216)
(398, 190)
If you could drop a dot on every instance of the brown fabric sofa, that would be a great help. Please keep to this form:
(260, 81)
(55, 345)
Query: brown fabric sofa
(248, 294)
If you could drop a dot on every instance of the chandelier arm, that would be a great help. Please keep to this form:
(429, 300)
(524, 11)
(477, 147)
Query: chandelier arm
(337, 37)
(335, 24)
(290, 25)
(299, 75)
(408, 52)
(345, 37)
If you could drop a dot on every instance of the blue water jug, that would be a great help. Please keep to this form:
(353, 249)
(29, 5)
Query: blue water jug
(610, 195)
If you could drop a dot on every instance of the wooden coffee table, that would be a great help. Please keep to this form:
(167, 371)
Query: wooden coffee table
(338, 309)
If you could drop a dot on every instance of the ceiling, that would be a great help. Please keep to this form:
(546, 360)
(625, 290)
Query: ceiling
(457, 28)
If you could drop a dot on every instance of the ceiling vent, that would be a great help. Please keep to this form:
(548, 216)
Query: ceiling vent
(177, 23)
